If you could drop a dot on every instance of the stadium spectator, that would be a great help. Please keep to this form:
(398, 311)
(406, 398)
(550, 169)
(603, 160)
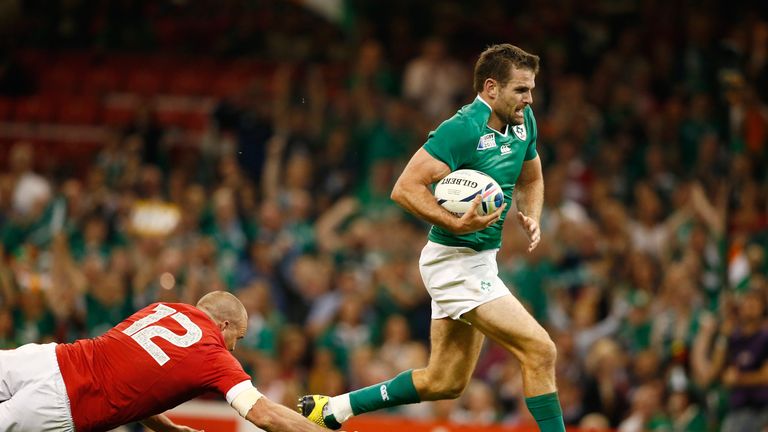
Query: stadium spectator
(30, 197)
(745, 367)
(477, 405)
(434, 81)
(646, 410)
(652, 137)
(684, 413)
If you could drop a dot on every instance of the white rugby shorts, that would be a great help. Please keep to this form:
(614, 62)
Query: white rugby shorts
(459, 279)
(33, 397)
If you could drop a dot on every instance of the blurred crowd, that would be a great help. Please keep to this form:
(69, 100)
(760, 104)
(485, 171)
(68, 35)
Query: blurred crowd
(651, 274)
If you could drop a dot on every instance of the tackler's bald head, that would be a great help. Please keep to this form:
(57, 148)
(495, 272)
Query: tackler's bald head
(222, 306)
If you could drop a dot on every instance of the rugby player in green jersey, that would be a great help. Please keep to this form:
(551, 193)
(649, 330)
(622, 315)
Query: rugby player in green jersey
(495, 134)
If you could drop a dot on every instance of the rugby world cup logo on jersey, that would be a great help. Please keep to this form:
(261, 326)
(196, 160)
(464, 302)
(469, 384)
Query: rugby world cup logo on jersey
(519, 131)
(486, 141)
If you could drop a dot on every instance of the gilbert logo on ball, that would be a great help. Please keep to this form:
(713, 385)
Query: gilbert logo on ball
(456, 191)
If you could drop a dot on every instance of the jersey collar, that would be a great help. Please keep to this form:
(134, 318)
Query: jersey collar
(490, 110)
(217, 334)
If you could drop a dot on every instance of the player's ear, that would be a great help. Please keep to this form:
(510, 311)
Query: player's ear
(224, 324)
(491, 87)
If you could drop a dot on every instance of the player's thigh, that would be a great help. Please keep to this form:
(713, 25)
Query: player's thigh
(30, 410)
(25, 366)
(5, 388)
(507, 322)
(12, 416)
(455, 348)
(14, 370)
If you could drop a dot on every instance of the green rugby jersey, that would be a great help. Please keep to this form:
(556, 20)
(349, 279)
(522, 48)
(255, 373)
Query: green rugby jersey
(466, 141)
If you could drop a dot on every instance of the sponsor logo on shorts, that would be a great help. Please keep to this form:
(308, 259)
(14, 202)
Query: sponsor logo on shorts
(485, 286)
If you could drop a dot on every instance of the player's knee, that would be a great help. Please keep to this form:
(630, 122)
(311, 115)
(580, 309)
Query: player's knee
(541, 354)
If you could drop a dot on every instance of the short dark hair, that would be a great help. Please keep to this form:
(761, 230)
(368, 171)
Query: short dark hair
(495, 61)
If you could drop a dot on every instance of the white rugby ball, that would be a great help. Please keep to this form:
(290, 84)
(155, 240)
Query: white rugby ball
(456, 191)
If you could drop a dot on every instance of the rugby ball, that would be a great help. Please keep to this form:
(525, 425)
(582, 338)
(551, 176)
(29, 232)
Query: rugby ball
(456, 191)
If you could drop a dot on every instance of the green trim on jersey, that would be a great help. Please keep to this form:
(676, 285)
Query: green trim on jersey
(466, 142)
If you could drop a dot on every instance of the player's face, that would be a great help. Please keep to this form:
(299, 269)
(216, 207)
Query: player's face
(233, 332)
(515, 96)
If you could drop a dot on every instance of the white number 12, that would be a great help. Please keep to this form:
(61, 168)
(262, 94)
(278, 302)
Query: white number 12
(142, 332)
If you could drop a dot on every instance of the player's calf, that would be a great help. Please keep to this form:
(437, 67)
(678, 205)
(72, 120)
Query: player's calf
(435, 384)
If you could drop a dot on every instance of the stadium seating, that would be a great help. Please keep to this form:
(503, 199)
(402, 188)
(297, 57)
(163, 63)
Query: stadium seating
(81, 94)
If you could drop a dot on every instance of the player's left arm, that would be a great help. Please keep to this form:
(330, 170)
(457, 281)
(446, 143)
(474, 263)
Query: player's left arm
(529, 199)
(161, 423)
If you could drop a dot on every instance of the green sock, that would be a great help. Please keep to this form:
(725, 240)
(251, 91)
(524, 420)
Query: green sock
(547, 412)
(397, 391)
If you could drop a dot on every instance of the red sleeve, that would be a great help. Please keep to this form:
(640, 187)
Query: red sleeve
(228, 373)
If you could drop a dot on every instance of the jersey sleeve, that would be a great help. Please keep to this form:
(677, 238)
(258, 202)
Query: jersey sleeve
(228, 377)
(530, 152)
(451, 143)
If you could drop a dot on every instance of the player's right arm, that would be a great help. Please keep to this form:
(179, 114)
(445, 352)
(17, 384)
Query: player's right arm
(412, 192)
(273, 417)
(263, 413)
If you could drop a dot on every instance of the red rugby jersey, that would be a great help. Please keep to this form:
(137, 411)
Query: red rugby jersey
(159, 357)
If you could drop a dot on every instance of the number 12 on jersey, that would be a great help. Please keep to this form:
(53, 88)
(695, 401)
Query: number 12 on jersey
(142, 331)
